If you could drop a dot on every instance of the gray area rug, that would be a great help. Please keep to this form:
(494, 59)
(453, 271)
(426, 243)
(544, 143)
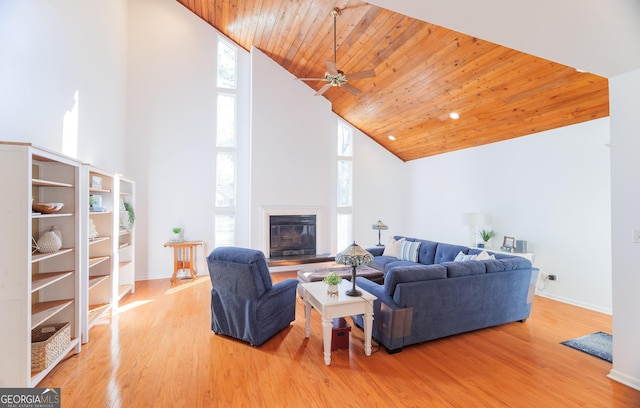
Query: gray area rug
(597, 344)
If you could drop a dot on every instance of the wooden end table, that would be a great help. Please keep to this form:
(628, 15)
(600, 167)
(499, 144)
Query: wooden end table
(315, 295)
(183, 257)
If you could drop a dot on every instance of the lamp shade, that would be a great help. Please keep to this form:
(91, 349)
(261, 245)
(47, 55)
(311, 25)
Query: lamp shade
(354, 255)
(379, 226)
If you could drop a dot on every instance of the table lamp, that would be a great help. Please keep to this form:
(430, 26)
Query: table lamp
(379, 226)
(354, 256)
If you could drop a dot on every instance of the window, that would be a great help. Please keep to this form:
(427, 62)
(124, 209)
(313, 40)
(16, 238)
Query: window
(226, 145)
(344, 229)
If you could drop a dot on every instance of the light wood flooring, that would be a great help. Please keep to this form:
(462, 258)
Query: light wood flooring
(159, 351)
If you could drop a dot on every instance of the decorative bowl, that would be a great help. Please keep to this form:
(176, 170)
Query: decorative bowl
(47, 208)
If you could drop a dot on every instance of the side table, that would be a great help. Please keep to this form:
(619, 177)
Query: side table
(315, 295)
(183, 257)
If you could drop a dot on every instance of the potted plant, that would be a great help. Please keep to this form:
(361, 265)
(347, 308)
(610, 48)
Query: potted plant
(486, 236)
(176, 234)
(333, 280)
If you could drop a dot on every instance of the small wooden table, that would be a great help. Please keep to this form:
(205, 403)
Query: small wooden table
(315, 296)
(183, 257)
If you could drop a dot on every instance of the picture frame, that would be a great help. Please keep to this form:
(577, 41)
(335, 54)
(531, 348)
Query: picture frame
(509, 242)
(96, 182)
(122, 207)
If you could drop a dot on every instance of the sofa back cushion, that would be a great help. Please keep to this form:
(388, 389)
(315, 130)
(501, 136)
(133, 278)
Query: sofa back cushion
(413, 273)
(464, 268)
(448, 252)
(507, 264)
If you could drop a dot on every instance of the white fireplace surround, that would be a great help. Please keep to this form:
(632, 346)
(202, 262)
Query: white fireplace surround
(322, 234)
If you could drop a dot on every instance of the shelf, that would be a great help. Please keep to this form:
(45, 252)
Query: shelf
(96, 260)
(37, 376)
(47, 183)
(42, 311)
(123, 290)
(40, 215)
(39, 256)
(124, 245)
(99, 212)
(99, 239)
(95, 280)
(42, 280)
(97, 311)
(98, 190)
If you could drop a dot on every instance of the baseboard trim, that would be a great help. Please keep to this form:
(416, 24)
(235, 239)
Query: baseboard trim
(625, 379)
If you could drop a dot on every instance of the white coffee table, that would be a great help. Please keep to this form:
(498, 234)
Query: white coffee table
(315, 295)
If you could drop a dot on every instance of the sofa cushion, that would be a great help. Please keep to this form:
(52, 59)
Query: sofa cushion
(448, 252)
(393, 247)
(409, 251)
(412, 273)
(507, 264)
(464, 268)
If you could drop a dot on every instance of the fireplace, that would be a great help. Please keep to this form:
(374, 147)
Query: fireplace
(292, 235)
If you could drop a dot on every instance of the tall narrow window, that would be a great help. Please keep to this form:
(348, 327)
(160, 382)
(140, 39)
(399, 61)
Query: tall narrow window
(226, 145)
(344, 230)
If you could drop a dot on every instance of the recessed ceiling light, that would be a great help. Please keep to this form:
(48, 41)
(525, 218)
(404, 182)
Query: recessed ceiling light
(391, 137)
(454, 115)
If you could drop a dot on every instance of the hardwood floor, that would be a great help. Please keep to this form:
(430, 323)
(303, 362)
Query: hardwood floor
(159, 351)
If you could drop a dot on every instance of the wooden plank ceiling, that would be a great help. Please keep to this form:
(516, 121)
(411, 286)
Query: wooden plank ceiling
(423, 72)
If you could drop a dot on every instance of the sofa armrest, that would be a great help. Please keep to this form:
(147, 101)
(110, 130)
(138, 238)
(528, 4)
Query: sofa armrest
(377, 290)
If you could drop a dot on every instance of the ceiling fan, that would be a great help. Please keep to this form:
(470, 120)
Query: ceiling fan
(334, 76)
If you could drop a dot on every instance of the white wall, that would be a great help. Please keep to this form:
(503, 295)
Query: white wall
(550, 189)
(171, 127)
(625, 195)
(380, 191)
(51, 50)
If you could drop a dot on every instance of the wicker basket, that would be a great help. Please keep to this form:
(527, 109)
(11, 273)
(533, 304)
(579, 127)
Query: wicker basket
(48, 342)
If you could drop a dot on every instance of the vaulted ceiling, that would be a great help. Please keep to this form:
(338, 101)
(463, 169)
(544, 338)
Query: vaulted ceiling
(423, 72)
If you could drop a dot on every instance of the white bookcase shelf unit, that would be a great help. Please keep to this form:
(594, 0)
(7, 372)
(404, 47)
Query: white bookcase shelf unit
(99, 206)
(125, 281)
(37, 288)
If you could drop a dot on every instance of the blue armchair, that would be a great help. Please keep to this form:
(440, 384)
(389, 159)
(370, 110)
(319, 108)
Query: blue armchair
(245, 304)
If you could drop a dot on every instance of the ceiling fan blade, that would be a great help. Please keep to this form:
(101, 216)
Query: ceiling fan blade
(331, 67)
(362, 74)
(310, 79)
(323, 89)
(351, 89)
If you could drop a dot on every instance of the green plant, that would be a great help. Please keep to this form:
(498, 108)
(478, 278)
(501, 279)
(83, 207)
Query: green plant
(486, 235)
(176, 230)
(132, 214)
(332, 279)
(92, 201)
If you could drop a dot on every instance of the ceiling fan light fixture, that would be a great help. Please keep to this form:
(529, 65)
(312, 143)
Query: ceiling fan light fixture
(454, 115)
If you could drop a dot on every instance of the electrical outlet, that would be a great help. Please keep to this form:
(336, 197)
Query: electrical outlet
(635, 236)
(552, 277)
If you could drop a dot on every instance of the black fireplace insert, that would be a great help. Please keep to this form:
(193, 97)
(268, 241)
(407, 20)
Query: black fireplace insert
(292, 235)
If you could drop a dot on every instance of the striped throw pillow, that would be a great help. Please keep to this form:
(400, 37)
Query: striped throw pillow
(409, 251)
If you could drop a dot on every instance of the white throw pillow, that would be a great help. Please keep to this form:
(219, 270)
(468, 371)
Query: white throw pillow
(484, 255)
(393, 247)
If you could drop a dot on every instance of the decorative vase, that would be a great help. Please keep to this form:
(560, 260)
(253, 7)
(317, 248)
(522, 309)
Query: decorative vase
(332, 290)
(50, 241)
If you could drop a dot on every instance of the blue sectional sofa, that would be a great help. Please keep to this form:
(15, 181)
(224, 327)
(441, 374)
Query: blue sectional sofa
(435, 290)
